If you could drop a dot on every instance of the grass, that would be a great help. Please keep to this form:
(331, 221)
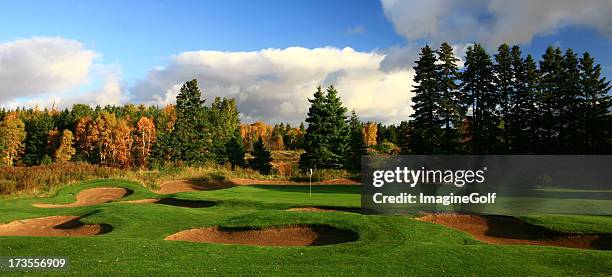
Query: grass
(45, 180)
(388, 245)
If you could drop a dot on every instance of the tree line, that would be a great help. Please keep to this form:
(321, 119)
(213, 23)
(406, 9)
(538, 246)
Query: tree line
(129, 136)
(507, 103)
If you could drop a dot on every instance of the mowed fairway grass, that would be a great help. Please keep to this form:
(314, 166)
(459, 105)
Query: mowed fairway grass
(387, 245)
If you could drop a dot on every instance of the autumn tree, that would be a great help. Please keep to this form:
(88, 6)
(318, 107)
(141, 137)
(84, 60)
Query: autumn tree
(369, 133)
(145, 138)
(65, 151)
(87, 139)
(121, 143)
(12, 136)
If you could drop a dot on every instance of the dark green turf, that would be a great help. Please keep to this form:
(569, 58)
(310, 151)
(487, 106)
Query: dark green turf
(388, 245)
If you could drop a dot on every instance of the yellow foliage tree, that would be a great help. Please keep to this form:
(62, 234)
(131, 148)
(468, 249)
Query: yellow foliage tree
(369, 132)
(121, 143)
(86, 136)
(12, 135)
(145, 138)
(65, 151)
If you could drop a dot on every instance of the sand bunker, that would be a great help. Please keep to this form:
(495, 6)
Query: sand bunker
(324, 209)
(304, 235)
(90, 197)
(200, 185)
(174, 202)
(509, 230)
(53, 226)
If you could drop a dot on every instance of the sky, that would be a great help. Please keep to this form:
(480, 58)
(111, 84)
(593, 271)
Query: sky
(270, 55)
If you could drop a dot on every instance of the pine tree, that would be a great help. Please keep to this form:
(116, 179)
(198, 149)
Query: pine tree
(523, 108)
(337, 129)
(596, 118)
(37, 127)
(357, 144)
(450, 112)
(261, 158)
(190, 132)
(404, 135)
(235, 151)
(505, 89)
(546, 124)
(426, 121)
(316, 153)
(570, 106)
(481, 100)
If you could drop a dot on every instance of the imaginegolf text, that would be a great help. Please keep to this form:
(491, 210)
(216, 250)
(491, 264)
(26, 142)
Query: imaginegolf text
(407, 198)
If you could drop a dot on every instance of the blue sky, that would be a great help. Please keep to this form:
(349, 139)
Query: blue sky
(142, 34)
(139, 51)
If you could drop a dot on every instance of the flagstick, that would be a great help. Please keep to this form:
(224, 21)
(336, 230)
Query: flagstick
(310, 183)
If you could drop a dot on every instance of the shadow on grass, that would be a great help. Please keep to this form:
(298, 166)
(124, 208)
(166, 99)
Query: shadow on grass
(344, 189)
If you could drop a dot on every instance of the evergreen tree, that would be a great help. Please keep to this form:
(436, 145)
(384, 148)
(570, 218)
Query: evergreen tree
(547, 123)
(404, 135)
(316, 154)
(596, 118)
(357, 145)
(426, 104)
(235, 151)
(570, 106)
(261, 158)
(450, 112)
(190, 134)
(523, 109)
(481, 100)
(505, 89)
(337, 129)
(37, 127)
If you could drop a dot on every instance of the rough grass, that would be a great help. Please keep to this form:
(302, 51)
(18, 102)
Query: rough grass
(387, 245)
(45, 180)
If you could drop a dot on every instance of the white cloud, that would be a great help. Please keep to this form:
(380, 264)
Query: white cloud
(52, 71)
(493, 22)
(273, 84)
(39, 65)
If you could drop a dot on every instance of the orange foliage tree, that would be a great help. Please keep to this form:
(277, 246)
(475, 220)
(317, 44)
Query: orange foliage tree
(145, 138)
(251, 132)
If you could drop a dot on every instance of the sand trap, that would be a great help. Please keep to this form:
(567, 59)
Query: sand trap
(90, 197)
(509, 230)
(200, 185)
(278, 236)
(53, 226)
(174, 202)
(324, 209)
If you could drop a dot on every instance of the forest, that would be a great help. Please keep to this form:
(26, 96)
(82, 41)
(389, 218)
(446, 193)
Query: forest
(506, 103)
